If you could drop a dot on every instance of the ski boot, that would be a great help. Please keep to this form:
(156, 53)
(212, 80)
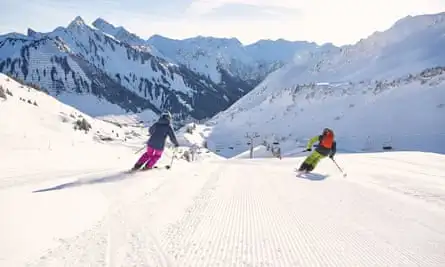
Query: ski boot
(136, 167)
(145, 168)
(305, 168)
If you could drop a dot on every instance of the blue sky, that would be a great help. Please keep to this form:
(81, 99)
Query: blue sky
(337, 21)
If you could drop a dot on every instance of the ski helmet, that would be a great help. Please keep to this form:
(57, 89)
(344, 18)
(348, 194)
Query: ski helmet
(327, 130)
(166, 115)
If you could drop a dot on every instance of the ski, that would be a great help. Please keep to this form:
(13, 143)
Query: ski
(130, 171)
(299, 172)
(163, 167)
(302, 174)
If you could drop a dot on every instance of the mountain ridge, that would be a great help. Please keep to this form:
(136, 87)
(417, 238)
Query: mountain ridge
(195, 84)
(178, 74)
(81, 51)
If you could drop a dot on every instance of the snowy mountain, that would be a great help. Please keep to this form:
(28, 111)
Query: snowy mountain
(411, 45)
(386, 89)
(92, 71)
(223, 58)
(226, 61)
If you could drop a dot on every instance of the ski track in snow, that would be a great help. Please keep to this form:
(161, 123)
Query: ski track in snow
(121, 239)
(258, 213)
(244, 224)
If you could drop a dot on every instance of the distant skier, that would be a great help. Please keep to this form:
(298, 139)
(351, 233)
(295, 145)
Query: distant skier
(156, 143)
(326, 147)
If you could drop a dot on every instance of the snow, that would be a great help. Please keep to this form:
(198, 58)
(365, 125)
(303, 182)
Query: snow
(147, 117)
(35, 138)
(197, 135)
(90, 104)
(46, 219)
(258, 152)
(212, 213)
(45, 130)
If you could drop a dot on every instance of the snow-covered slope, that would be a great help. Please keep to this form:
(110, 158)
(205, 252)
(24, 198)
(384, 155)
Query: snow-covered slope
(134, 120)
(389, 211)
(91, 64)
(281, 50)
(407, 113)
(36, 128)
(387, 88)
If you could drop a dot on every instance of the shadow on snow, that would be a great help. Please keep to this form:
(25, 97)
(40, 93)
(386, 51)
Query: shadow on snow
(312, 176)
(106, 179)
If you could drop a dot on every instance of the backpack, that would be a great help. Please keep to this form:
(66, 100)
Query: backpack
(327, 139)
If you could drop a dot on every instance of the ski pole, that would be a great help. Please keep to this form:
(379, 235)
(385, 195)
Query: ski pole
(171, 161)
(341, 170)
(298, 153)
(139, 150)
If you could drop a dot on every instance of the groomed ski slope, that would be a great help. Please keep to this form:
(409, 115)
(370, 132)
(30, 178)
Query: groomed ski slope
(388, 211)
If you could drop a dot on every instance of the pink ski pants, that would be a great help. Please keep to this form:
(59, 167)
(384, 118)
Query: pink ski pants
(150, 157)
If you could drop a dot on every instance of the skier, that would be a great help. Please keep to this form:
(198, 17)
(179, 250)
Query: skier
(326, 147)
(156, 143)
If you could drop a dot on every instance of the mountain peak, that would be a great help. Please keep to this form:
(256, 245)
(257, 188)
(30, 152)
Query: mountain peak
(106, 27)
(78, 21)
(100, 23)
(120, 33)
(31, 32)
(100, 20)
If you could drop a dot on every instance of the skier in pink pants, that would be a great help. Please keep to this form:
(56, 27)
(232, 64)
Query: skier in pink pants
(156, 143)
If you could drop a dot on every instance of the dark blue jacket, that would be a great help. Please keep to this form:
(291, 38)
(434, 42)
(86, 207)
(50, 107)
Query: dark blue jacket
(159, 132)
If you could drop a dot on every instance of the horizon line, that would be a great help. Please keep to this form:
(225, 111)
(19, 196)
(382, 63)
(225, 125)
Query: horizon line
(25, 33)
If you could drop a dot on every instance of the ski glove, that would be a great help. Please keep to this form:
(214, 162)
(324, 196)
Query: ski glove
(309, 149)
(331, 156)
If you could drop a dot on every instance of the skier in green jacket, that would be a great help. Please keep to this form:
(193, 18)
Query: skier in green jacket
(326, 147)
